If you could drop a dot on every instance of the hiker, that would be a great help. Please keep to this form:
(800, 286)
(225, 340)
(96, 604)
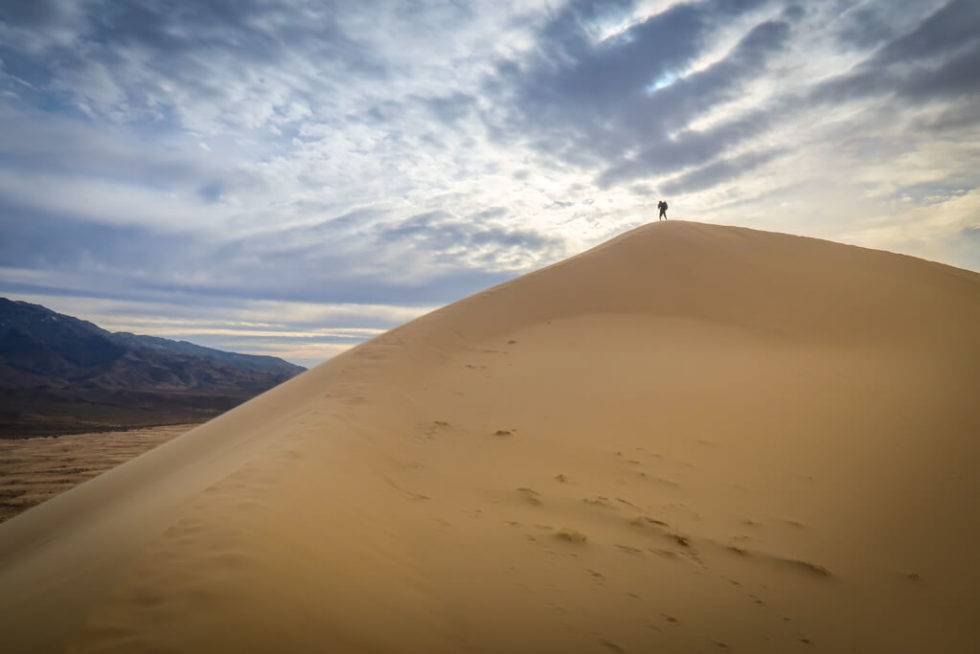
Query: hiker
(663, 209)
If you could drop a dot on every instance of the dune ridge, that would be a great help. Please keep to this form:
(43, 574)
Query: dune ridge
(687, 439)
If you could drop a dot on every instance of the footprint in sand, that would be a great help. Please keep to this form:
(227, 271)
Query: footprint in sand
(646, 521)
(571, 536)
(810, 568)
(799, 565)
(608, 644)
(405, 492)
(436, 427)
(629, 549)
(530, 495)
(659, 480)
(667, 554)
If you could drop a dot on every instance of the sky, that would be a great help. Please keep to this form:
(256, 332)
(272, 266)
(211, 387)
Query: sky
(292, 177)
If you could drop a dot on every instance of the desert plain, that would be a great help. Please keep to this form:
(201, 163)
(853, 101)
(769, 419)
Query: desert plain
(35, 469)
(692, 438)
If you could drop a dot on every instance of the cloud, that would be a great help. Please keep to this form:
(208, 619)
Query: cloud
(718, 171)
(616, 103)
(386, 153)
(44, 143)
(323, 262)
(454, 239)
(206, 64)
(209, 174)
(937, 60)
(627, 106)
(53, 242)
(450, 109)
(944, 31)
(866, 25)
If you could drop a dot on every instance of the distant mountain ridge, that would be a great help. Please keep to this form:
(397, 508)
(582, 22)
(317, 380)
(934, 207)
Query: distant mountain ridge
(254, 362)
(59, 374)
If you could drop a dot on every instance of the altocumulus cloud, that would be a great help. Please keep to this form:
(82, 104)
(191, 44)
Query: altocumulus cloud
(291, 177)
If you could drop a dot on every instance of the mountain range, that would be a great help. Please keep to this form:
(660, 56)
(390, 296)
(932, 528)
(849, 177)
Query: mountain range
(59, 374)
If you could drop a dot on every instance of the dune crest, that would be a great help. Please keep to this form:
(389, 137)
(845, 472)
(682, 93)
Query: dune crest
(687, 439)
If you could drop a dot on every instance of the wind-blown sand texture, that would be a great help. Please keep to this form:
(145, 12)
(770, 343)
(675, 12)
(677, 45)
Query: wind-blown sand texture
(33, 470)
(688, 439)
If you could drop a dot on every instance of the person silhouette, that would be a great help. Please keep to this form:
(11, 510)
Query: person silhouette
(663, 210)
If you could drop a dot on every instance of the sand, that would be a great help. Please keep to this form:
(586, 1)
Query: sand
(692, 438)
(33, 470)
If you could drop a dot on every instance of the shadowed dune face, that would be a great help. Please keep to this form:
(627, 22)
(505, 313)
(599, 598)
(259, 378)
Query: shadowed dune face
(691, 438)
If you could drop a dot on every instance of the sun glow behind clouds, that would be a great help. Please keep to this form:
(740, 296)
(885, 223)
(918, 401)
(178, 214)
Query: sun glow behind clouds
(664, 81)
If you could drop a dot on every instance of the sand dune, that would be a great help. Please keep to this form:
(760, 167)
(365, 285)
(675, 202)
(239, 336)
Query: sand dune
(691, 438)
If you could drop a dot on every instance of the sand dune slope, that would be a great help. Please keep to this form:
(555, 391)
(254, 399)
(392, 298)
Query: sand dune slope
(691, 438)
